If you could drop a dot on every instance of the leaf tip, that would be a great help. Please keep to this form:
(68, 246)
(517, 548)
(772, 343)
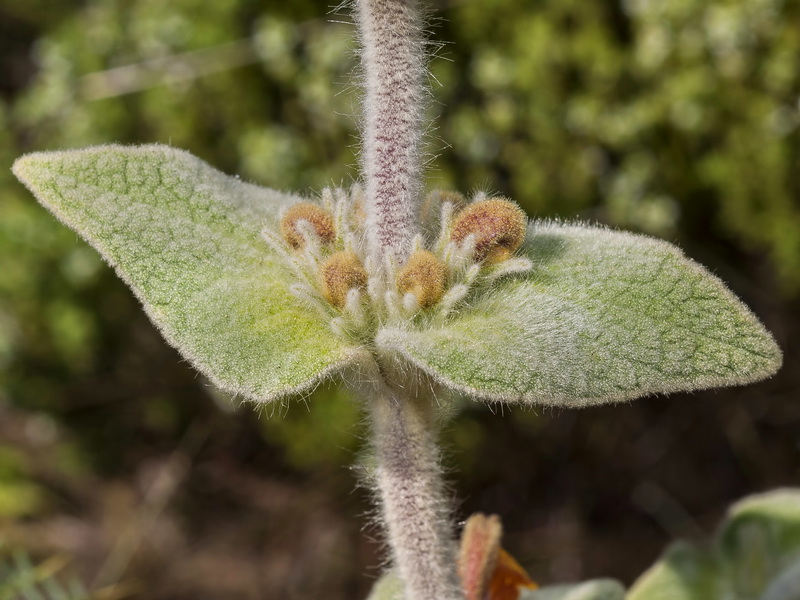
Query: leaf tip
(25, 165)
(772, 359)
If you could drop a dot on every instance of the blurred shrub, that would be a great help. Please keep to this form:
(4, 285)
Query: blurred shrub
(19, 496)
(324, 434)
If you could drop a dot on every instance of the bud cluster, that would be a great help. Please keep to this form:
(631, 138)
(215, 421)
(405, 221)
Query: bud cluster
(324, 244)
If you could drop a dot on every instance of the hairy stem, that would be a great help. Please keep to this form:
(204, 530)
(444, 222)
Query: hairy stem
(394, 66)
(407, 473)
(409, 481)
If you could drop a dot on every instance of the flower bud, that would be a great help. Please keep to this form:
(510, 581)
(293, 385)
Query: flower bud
(321, 222)
(424, 275)
(498, 227)
(339, 274)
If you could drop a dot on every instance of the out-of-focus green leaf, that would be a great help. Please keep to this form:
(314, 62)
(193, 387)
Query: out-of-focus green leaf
(388, 587)
(755, 554)
(760, 540)
(684, 573)
(596, 589)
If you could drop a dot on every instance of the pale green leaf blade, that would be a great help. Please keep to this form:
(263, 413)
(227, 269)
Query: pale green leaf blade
(604, 316)
(596, 589)
(683, 573)
(388, 587)
(785, 584)
(186, 238)
(759, 543)
(756, 554)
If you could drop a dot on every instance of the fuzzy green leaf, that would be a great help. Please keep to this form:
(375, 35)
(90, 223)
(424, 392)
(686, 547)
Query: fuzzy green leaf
(596, 589)
(760, 543)
(755, 554)
(388, 587)
(684, 573)
(604, 316)
(186, 238)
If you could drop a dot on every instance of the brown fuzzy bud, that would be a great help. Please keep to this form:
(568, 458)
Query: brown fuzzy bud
(498, 226)
(424, 275)
(320, 219)
(339, 274)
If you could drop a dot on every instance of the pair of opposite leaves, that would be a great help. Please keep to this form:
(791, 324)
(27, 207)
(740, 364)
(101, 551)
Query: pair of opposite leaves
(602, 316)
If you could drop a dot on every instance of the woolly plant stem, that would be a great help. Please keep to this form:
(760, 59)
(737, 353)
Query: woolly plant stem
(409, 481)
(393, 62)
(408, 472)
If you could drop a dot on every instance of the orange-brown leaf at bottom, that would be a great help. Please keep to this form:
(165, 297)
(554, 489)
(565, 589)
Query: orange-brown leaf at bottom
(507, 579)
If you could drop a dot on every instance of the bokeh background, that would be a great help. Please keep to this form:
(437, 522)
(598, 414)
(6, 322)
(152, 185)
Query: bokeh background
(676, 118)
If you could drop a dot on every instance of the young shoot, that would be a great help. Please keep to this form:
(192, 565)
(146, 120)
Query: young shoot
(397, 295)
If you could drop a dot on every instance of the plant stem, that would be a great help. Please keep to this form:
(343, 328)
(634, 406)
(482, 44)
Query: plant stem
(409, 481)
(394, 66)
(408, 472)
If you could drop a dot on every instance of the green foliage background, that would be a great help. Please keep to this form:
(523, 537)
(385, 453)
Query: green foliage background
(677, 118)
